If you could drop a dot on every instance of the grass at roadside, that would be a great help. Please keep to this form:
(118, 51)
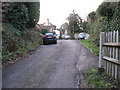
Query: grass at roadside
(96, 80)
(90, 45)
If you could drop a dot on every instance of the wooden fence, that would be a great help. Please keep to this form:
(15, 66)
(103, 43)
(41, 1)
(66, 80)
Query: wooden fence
(109, 57)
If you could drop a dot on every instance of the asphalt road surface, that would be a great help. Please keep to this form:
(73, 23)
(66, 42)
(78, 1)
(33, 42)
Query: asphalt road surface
(50, 66)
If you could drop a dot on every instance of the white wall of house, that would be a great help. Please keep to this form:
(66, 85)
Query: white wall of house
(57, 32)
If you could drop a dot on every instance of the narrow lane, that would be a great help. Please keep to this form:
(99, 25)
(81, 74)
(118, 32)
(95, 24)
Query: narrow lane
(51, 66)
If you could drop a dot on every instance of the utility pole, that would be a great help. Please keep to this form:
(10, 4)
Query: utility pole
(73, 31)
(73, 23)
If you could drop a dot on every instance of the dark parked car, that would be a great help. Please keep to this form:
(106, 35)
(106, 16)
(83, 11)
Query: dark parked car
(49, 38)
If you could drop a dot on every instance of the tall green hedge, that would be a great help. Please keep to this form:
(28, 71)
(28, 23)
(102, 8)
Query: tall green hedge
(33, 13)
(18, 34)
(17, 15)
(22, 15)
(108, 19)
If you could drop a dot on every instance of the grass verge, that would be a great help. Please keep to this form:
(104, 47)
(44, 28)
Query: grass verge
(96, 80)
(90, 45)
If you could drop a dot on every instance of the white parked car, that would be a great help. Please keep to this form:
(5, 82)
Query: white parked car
(67, 37)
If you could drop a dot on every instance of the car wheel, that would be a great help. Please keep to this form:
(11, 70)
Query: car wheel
(55, 42)
(44, 43)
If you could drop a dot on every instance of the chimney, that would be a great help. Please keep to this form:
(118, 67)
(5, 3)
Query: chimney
(48, 22)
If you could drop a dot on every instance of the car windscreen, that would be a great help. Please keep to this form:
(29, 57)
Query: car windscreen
(49, 34)
(82, 34)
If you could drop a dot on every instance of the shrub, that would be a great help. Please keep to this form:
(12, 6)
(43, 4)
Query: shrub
(13, 44)
(43, 31)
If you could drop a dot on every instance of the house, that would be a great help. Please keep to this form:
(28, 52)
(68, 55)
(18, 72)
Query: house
(49, 26)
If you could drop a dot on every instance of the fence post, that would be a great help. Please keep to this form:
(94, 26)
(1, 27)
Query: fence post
(117, 41)
(101, 49)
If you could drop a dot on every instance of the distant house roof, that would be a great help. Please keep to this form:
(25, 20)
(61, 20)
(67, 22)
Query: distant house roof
(50, 27)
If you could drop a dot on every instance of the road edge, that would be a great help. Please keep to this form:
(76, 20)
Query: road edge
(82, 77)
(87, 48)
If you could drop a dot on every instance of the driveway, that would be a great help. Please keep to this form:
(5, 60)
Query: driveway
(50, 66)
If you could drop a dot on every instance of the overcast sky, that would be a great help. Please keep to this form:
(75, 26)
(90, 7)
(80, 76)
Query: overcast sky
(58, 10)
